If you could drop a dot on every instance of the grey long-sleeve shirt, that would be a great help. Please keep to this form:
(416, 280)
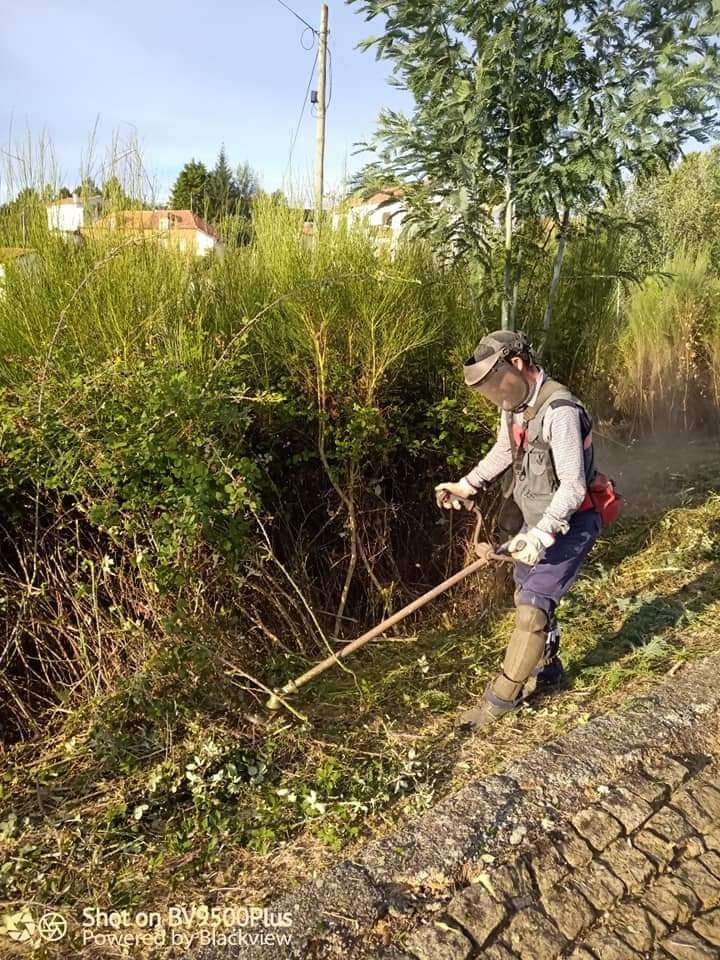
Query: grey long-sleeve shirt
(561, 429)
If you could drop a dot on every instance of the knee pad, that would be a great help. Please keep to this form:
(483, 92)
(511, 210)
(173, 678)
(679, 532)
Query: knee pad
(527, 643)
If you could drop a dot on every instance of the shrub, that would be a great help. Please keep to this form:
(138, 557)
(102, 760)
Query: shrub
(226, 445)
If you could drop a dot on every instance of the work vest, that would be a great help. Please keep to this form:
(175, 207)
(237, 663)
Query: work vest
(534, 478)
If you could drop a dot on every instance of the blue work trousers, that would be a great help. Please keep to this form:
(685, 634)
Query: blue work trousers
(545, 584)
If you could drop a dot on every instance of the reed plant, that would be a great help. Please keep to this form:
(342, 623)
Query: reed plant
(665, 370)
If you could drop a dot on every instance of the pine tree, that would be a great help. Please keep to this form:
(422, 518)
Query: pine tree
(248, 184)
(223, 191)
(190, 190)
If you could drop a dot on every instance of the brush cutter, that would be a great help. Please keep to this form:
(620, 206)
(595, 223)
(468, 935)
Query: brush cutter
(484, 552)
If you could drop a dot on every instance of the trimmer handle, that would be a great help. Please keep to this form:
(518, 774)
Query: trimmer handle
(452, 498)
(486, 551)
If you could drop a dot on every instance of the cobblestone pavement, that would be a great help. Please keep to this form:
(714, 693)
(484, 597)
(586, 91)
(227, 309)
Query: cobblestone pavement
(602, 845)
(636, 874)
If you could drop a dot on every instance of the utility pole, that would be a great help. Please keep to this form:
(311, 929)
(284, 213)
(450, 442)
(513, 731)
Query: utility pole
(321, 111)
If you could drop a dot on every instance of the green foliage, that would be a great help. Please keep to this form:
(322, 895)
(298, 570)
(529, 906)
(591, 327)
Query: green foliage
(675, 208)
(536, 108)
(666, 359)
(190, 190)
(171, 410)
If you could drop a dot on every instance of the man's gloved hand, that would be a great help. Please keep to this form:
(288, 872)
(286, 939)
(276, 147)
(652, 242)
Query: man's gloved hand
(530, 547)
(446, 494)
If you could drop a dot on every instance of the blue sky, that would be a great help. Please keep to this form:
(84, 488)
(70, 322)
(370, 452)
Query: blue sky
(185, 77)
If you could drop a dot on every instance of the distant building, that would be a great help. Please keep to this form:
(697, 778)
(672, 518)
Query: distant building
(384, 212)
(180, 228)
(71, 214)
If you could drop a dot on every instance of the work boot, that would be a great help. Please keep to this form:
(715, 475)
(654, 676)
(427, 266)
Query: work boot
(487, 711)
(550, 675)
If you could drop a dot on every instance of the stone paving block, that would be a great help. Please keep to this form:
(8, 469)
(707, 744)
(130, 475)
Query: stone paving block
(689, 847)
(570, 911)
(629, 864)
(533, 937)
(686, 945)
(439, 943)
(637, 926)
(547, 866)
(711, 861)
(696, 816)
(498, 952)
(708, 796)
(712, 840)
(610, 947)
(477, 912)
(671, 900)
(597, 827)
(657, 848)
(574, 849)
(704, 885)
(669, 824)
(599, 886)
(668, 771)
(630, 810)
(651, 791)
(511, 882)
(708, 926)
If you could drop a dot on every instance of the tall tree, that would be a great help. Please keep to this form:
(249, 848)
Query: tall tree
(537, 108)
(190, 190)
(248, 185)
(114, 195)
(87, 188)
(223, 190)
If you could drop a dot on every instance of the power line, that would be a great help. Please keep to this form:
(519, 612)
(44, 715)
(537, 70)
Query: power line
(302, 113)
(297, 15)
(330, 64)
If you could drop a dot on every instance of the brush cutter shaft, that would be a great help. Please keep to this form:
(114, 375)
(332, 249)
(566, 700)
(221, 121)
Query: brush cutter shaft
(386, 624)
(485, 553)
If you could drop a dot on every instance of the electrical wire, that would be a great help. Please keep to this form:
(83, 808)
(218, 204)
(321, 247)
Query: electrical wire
(330, 66)
(297, 15)
(302, 113)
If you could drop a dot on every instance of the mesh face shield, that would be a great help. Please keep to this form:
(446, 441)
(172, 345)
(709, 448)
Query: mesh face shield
(504, 386)
(498, 381)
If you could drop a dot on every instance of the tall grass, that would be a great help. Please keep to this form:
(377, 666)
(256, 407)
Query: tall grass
(240, 445)
(665, 369)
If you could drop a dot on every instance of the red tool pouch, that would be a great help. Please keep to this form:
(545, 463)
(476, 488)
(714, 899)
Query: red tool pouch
(603, 496)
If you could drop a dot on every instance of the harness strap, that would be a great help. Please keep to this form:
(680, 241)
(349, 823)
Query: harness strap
(546, 392)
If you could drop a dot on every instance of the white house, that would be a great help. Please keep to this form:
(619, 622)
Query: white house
(384, 211)
(71, 214)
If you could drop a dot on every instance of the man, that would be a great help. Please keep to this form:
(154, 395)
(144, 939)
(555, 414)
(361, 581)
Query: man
(545, 437)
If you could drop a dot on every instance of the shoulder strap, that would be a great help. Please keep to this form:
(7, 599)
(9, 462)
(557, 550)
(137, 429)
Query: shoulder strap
(585, 418)
(547, 392)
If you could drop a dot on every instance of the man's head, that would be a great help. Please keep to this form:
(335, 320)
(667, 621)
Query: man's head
(502, 369)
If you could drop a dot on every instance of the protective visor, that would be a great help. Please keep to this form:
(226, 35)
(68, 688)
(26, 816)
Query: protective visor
(502, 384)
